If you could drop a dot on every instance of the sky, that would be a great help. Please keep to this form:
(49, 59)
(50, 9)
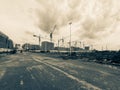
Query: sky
(94, 22)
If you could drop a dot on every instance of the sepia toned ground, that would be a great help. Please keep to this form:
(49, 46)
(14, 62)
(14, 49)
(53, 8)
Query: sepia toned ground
(30, 71)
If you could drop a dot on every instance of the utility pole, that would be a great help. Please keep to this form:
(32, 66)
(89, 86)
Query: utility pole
(80, 44)
(39, 38)
(70, 38)
(83, 45)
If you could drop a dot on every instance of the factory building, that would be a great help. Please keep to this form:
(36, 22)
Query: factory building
(10, 44)
(34, 47)
(87, 48)
(61, 48)
(47, 46)
(25, 46)
(5, 42)
(28, 46)
(76, 49)
(17, 46)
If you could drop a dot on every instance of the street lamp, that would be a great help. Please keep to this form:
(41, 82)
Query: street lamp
(70, 38)
(39, 38)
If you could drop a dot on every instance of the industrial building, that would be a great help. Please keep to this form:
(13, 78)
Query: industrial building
(34, 47)
(28, 46)
(17, 46)
(5, 42)
(10, 44)
(61, 48)
(87, 48)
(47, 46)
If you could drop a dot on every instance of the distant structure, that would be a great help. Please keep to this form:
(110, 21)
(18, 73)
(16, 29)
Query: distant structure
(87, 48)
(61, 48)
(10, 44)
(75, 48)
(39, 38)
(28, 46)
(47, 46)
(17, 46)
(5, 42)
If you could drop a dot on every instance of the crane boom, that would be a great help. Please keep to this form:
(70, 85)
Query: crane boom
(51, 33)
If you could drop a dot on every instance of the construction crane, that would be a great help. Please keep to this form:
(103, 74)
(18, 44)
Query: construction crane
(60, 40)
(39, 37)
(51, 33)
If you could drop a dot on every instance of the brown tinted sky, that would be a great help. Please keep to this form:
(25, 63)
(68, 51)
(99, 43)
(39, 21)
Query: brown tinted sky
(94, 22)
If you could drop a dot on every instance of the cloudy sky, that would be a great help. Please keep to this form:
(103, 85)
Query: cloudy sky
(94, 22)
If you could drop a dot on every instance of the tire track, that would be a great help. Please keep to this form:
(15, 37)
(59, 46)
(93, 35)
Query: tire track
(84, 83)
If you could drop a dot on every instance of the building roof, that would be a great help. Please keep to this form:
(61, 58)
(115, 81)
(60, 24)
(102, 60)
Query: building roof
(2, 34)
